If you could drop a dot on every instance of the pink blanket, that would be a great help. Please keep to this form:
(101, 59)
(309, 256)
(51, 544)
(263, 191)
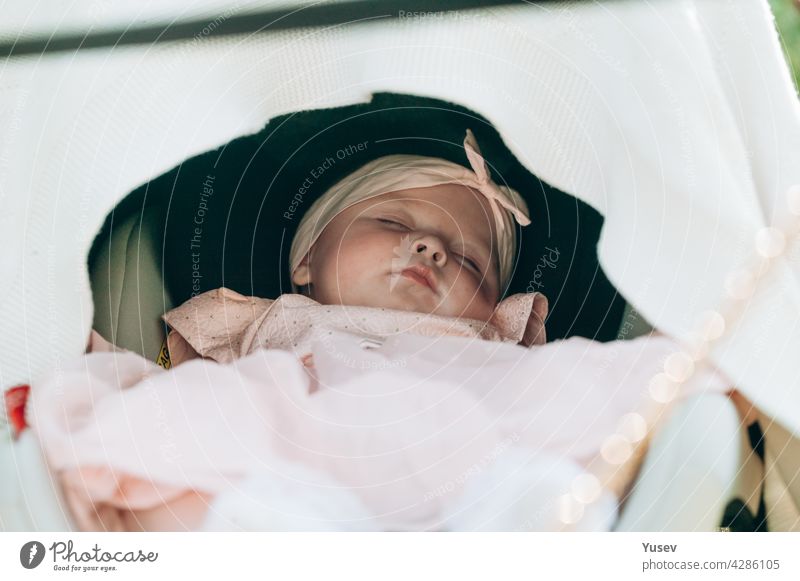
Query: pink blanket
(417, 433)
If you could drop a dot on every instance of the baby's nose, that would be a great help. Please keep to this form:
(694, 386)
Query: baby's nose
(431, 247)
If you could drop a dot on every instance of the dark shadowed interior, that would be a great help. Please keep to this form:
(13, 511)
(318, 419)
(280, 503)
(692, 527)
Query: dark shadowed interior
(227, 217)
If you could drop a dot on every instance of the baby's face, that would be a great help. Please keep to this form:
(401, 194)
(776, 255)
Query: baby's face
(428, 250)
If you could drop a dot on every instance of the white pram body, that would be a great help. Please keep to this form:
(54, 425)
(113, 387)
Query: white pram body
(701, 132)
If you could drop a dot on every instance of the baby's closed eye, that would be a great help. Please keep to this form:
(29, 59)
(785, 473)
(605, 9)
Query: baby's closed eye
(463, 259)
(468, 261)
(394, 222)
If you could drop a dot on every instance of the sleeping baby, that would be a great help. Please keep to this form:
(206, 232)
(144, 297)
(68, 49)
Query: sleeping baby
(393, 390)
(426, 245)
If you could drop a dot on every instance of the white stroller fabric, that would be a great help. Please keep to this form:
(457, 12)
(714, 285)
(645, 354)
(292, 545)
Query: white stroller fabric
(685, 135)
(677, 120)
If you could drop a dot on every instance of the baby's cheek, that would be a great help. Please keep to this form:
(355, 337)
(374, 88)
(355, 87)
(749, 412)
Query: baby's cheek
(467, 298)
(354, 267)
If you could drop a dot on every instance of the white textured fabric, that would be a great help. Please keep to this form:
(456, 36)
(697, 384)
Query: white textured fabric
(30, 498)
(677, 120)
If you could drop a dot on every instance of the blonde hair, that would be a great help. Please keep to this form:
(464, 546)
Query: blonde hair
(393, 173)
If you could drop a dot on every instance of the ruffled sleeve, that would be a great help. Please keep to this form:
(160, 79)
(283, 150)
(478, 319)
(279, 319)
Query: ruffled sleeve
(520, 318)
(213, 325)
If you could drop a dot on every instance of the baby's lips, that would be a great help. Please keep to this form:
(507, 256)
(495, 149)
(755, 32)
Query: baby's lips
(425, 274)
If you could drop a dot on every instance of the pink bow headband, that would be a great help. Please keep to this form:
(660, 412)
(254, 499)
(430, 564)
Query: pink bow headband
(492, 191)
(394, 173)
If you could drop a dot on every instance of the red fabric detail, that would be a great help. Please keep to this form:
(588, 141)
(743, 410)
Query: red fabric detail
(15, 400)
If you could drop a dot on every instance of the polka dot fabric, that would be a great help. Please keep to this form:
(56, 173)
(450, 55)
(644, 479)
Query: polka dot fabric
(224, 325)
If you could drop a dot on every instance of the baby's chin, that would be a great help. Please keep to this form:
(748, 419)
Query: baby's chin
(403, 299)
(397, 300)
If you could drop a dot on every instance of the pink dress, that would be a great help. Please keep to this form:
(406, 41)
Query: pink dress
(291, 415)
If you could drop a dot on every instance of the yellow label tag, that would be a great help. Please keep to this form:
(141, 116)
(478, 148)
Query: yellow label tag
(163, 356)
